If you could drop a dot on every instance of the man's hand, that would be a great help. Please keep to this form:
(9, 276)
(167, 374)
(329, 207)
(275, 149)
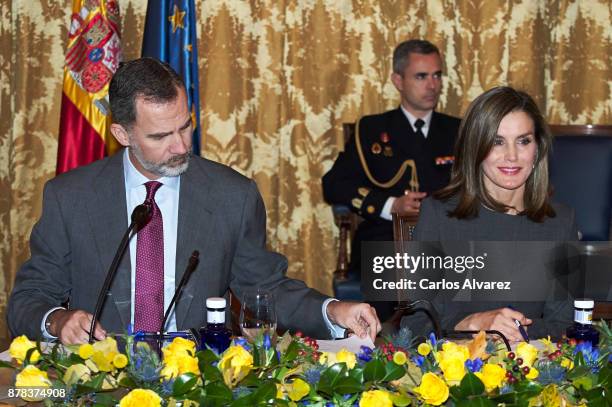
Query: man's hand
(72, 327)
(501, 319)
(409, 204)
(359, 317)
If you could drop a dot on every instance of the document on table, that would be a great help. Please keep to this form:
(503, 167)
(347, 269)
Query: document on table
(352, 344)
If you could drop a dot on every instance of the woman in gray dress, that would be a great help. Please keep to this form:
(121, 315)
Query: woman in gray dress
(499, 191)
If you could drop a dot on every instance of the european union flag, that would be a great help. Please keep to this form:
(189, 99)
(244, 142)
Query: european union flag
(170, 36)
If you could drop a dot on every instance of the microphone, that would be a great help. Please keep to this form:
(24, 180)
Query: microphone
(140, 217)
(191, 266)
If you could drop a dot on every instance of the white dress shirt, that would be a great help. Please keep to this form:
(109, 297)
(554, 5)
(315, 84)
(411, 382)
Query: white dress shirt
(385, 213)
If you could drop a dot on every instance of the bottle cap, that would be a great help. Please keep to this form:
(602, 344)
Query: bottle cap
(215, 302)
(584, 303)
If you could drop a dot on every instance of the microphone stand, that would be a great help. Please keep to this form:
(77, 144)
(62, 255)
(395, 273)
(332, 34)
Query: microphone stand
(191, 266)
(140, 217)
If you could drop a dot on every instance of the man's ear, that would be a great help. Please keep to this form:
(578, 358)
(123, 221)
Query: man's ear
(397, 81)
(120, 134)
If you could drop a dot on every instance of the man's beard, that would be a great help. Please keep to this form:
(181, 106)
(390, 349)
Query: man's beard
(172, 167)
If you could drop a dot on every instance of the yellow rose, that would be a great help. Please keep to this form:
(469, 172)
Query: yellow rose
(424, 349)
(177, 365)
(527, 352)
(20, 347)
(453, 369)
(103, 354)
(77, 373)
(86, 351)
(31, 376)
(102, 362)
(451, 350)
(235, 364)
(179, 346)
(297, 390)
(533, 374)
(120, 361)
(375, 398)
(492, 376)
(141, 398)
(347, 357)
(433, 390)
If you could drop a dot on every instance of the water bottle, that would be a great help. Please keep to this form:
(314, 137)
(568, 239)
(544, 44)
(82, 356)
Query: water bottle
(215, 334)
(582, 330)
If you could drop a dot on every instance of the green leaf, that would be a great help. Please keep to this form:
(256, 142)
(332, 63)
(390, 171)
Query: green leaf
(128, 382)
(476, 402)
(393, 372)
(400, 400)
(251, 380)
(347, 385)
(584, 382)
(211, 373)
(207, 356)
(217, 394)
(357, 374)
(330, 376)
(374, 370)
(183, 384)
(105, 400)
(471, 385)
(456, 393)
(291, 353)
(266, 393)
(96, 382)
(604, 378)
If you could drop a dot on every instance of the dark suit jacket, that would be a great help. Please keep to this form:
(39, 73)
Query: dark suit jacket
(221, 214)
(346, 182)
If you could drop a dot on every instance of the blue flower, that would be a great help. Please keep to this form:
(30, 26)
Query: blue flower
(242, 342)
(312, 375)
(167, 387)
(418, 360)
(432, 339)
(590, 355)
(473, 365)
(505, 389)
(266, 341)
(365, 354)
(550, 373)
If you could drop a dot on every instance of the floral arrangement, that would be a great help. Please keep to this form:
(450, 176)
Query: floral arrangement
(294, 373)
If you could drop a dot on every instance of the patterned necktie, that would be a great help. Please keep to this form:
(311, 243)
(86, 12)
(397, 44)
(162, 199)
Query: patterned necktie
(419, 125)
(149, 296)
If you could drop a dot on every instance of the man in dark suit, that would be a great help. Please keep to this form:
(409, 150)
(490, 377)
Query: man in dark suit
(396, 158)
(196, 204)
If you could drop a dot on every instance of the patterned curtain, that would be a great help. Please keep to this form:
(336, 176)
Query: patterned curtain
(277, 80)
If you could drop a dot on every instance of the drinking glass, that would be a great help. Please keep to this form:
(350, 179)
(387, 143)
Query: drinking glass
(257, 315)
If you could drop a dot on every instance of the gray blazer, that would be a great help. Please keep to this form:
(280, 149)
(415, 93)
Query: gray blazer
(221, 214)
(550, 269)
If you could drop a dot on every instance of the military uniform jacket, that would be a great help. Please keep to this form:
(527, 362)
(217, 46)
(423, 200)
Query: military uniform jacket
(384, 142)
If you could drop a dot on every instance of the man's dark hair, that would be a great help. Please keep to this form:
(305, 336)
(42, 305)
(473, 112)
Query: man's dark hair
(149, 78)
(402, 52)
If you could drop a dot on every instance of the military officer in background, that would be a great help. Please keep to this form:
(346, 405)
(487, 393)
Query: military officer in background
(397, 157)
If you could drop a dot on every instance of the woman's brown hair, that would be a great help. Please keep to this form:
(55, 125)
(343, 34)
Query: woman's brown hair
(476, 137)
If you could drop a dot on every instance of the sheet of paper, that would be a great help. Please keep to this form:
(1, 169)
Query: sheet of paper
(352, 344)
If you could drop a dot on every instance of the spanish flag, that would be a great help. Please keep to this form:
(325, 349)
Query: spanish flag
(92, 57)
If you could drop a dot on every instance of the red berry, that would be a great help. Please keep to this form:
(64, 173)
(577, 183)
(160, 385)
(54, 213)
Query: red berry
(557, 353)
(551, 356)
(299, 334)
(512, 380)
(508, 374)
(526, 369)
(519, 361)
(389, 358)
(572, 342)
(511, 355)
(315, 346)
(301, 352)
(559, 345)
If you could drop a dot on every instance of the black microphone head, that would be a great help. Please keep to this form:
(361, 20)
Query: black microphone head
(141, 215)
